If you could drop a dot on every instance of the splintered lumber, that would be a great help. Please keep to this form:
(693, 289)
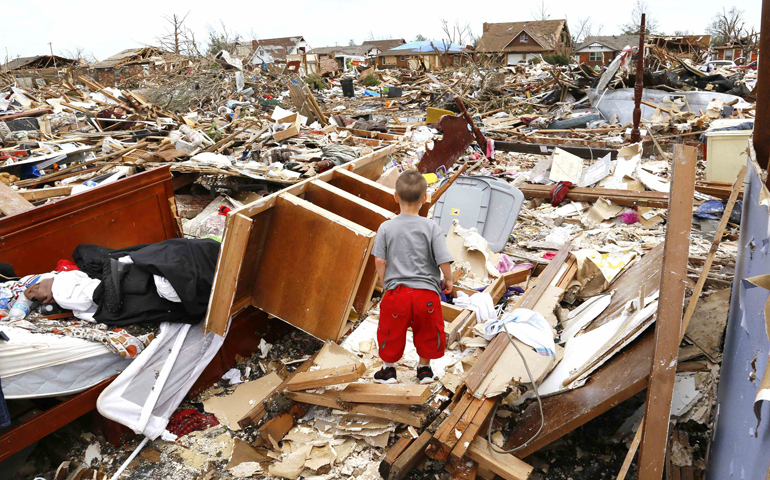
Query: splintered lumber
(387, 394)
(409, 458)
(530, 298)
(450, 436)
(331, 399)
(326, 376)
(395, 451)
(274, 430)
(626, 198)
(43, 193)
(668, 325)
(503, 464)
(11, 202)
(446, 429)
(478, 422)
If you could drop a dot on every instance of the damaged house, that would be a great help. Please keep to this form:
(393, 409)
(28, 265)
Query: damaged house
(427, 54)
(135, 62)
(279, 48)
(514, 42)
(601, 50)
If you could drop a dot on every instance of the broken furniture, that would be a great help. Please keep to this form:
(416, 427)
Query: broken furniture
(726, 149)
(486, 203)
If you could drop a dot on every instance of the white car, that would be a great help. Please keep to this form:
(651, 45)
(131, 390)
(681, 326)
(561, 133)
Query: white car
(714, 64)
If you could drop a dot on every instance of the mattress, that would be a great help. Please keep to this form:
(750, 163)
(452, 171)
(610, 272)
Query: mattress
(36, 365)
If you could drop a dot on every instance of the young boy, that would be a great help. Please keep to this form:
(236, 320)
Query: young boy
(410, 252)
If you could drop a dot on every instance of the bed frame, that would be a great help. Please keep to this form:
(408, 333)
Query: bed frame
(138, 209)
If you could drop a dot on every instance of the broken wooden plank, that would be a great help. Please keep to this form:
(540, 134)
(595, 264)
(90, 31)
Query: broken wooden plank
(631, 452)
(668, 325)
(446, 428)
(326, 376)
(409, 458)
(540, 149)
(11, 202)
(478, 422)
(366, 189)
(274, 430)
(503, 464)
(448, 441)
(395, 451)
(331, 399)
(398, 394)
(43, 193)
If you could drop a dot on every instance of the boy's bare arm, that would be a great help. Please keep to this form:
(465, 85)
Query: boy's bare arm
(446, 269)
(379, 265)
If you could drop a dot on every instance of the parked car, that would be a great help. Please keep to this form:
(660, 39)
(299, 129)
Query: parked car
(714, 64)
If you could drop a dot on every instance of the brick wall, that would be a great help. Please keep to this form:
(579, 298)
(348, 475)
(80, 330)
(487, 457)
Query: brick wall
(607, 57)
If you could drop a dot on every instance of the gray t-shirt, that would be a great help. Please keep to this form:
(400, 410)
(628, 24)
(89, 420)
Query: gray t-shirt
(413, 247)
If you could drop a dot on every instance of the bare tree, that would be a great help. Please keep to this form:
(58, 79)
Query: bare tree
(633, 27)
(78, 53)
(460, 35)
(585, 28)
(178, 38)
(729, 28)
(541, 12)
(222, 39)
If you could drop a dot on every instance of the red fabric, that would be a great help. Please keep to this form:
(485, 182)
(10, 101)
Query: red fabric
(549, 255)
(223, 210)
(405, 307)
(65, 266)
(559, 193)
(190, 420)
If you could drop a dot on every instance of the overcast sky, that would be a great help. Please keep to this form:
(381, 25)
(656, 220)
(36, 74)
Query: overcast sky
(105, 28)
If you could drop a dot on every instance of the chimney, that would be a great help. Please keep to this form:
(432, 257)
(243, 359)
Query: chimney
(486, 27)
(254, 44)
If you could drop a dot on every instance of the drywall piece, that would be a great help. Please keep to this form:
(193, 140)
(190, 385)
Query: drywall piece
(292, 464)
(510, 368)
(387, 394)
(685, 394)
(466, 245)
(566, 167)
(596, 172)
(332, 355)
(583, 315)
(244, 462)
(709, 320)
(231, 408)
(311, 267)
(653, 182)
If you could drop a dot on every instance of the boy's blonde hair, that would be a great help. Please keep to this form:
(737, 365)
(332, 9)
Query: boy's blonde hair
(411, 186)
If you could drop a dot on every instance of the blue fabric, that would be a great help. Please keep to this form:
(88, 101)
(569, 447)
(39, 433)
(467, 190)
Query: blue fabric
(425, 46)
(5, 416)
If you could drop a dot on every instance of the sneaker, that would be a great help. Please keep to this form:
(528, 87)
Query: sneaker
(386, 375)
(425, 374)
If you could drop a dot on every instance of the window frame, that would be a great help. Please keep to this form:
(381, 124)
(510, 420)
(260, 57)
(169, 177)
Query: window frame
(599, 54)
(523, 38)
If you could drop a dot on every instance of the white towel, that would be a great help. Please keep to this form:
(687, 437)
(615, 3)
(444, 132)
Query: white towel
(481, 303)
(527, 326)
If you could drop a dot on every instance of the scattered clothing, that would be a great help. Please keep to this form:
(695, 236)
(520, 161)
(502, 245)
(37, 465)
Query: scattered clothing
(527, 326)
(481, 303)
(405, 307)
(559, 192)
(190, 420)
(74, 290)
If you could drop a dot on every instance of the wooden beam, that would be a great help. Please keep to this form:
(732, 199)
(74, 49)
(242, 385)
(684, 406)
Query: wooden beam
(478, 422)
(11, 202)
(326, 376)
(409, 458)
(331, 399)
(503, 464)
(669, 317)
(366, 189)
(540, 149)
(43, 193)
(398, 394)
(627, 198)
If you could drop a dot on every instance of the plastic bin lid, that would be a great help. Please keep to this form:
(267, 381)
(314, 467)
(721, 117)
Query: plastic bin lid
(488, 204)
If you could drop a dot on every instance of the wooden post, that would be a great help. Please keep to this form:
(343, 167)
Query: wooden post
(669, 317)
(762, 128)
(639, 85)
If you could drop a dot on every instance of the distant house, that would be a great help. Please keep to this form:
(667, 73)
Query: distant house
(343, 57)
(134, 62)
(38, 62)
(375, 47)
(684, 46)
(239, 49)
(734, 51)
(601, 50)
(514, 42)
(279, 48)
(430, 54)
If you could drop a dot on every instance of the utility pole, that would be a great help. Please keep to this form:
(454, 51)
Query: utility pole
(639, 85)
(50, 45)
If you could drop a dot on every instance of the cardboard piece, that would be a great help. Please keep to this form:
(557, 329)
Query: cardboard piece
(231, 408)
(602, 210)
(596, 172)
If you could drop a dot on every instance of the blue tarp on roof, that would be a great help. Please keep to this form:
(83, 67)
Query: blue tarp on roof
(424, 46)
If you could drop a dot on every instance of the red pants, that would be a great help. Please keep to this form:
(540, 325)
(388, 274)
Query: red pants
(405, 307)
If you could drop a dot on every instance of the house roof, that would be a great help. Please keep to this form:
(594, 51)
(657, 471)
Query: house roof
(497, 36)
(278, 47)
(385, 44)
(615, 42)
(39, 61)
(129, 56)
(352, 50)
(424, 48)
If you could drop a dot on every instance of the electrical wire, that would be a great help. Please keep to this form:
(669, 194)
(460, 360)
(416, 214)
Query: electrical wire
(497, 405)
